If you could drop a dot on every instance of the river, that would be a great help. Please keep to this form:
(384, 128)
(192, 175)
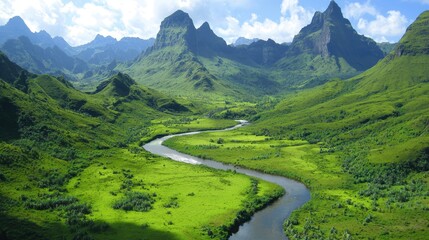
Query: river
(265, 224)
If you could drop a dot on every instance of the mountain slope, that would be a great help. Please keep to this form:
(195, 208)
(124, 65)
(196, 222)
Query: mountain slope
(327, 47)
(171, 65)
(375, 126)
(195, 62)
(121, 89)
(40, 60)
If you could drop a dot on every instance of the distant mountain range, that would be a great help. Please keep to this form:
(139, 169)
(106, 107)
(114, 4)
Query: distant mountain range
(189, 58)
(245, 41)
(183, 59)
(40, 53)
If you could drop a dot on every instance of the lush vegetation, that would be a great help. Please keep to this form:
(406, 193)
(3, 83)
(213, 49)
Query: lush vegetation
(360, 145)
(71, 166)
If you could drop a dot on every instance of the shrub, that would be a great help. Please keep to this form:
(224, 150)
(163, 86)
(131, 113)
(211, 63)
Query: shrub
(173, 203)
(135, 201)
(52, 201)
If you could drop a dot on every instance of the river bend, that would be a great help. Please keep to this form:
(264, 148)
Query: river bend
(265, 224)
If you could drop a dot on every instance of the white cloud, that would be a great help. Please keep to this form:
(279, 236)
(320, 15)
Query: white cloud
(294, 18)
(79, 23)
(372, 23)
(382, 28)
(357, 10)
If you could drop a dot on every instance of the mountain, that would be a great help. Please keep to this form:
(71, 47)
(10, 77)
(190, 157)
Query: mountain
(189, 61)
(373, 131)
(244, 41)
(16, 28)
(208, 43)
(104, 50)
(12, 73)
(122, 88)
(328, 47)
(99, 41)
(42, 60)
(264, 52)
(101, 51)
(171, 64)
(386, 47)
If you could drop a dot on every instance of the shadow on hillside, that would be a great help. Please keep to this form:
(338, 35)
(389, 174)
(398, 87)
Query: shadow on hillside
(131, 231)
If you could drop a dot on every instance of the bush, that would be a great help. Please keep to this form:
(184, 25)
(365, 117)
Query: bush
(51, 201)
(135, 201)
(173, 203)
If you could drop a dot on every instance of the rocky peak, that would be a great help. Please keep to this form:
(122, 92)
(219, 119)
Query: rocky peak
(177, 19)
(176, 30)
(333, 11)
(330, 34)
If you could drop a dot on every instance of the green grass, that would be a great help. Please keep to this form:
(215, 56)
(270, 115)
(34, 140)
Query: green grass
(205, 197)
(336, 201)
(360, 145)
(68, 158)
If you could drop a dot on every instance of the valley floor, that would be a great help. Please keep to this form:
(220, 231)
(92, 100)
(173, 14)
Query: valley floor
(339, 207)
(125, 193)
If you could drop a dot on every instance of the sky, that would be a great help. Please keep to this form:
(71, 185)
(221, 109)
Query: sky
(79, 21)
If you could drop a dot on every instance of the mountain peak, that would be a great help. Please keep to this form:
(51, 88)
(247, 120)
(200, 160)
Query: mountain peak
(205, 26)
(178, 18)
(331, 35)
(333, 11)
(17, 24)
(176, 30)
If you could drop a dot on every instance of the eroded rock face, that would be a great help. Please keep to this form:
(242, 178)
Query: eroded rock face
(177, 29)
(330, 34)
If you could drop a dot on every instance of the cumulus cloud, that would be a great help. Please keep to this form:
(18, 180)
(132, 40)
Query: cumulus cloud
(79, 23)
(293, 18)
(370, 22)
(382, 28)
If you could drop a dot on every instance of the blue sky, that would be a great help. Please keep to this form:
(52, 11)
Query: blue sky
(79, 21)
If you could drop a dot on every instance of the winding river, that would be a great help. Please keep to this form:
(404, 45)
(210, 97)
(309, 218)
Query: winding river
(266, 223)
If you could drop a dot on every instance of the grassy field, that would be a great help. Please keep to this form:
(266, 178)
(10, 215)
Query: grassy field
(56, 199)
(339, 208)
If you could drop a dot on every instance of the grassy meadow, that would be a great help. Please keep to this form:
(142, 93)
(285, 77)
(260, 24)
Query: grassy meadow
(125, 193)
(340, 207)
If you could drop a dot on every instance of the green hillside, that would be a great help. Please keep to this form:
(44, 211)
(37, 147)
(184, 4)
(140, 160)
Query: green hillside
(71, 165)
(360, 145)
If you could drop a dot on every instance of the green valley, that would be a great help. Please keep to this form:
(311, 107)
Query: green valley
(343, 115)
(361, 146)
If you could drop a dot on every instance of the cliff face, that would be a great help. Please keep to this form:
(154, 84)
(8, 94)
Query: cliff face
(176, 30)
(330, 34)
